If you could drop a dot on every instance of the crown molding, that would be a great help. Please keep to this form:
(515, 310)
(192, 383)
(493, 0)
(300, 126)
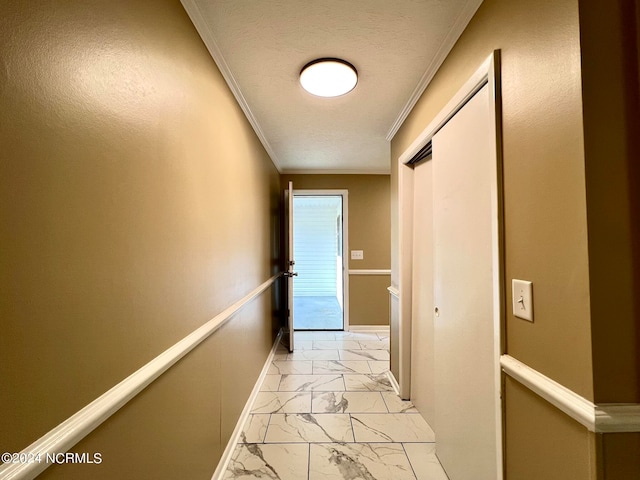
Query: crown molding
(193, 10)
(446, 46)
(320, 171)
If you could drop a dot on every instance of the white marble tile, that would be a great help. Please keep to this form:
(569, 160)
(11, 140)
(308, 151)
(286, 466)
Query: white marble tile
(299, 383)
(392, 427)
(356, 336)
(383, 336)
(368, 383)
(376, 355)
(307, 427)
(348, 402)
(358, 461)
(255, 428)
(292, 367)
(336, 345)
(304, 345)
(340, 366)
(282, 402)
(424, 461)
(396, 405)
(374, 344)
(280, 355)
(314, 355)
(260, 461)
(270, 383)
(379, 367)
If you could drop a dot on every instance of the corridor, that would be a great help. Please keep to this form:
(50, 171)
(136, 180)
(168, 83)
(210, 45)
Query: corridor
(328, 411)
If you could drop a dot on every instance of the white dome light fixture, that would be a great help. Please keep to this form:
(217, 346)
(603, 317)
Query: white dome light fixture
(328, 77)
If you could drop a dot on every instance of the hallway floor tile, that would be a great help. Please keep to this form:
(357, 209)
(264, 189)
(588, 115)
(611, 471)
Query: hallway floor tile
(328, 411)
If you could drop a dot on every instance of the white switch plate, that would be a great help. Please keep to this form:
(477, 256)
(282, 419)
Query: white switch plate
(522, 299)
(357, 255)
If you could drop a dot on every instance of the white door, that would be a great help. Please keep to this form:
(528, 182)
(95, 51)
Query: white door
(466, 338)
(288, 207)
(422, 357)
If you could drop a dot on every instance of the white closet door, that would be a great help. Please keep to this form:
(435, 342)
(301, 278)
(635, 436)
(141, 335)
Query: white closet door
(422, 357)
(466, 358)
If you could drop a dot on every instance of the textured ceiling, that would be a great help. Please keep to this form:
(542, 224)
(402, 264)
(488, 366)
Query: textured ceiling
(396, 46)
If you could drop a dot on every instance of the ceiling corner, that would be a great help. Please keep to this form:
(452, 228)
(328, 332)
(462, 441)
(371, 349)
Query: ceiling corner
(461, 22)
(202, 27)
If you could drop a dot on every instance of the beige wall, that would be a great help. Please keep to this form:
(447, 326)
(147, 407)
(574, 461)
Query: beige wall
(611, 108)
(136, 203)
(553, 446)
(368, 300)
(544, 199)
(567, 146)
(611, 105)
(369, 230)
(618, 456)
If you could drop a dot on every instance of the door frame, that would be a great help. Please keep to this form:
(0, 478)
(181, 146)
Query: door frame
(344, 193)
(487, 74)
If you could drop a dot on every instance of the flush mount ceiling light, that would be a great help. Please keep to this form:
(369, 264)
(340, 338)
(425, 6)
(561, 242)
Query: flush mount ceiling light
(328, 77)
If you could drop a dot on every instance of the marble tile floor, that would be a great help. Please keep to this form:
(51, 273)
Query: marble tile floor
(328, 411)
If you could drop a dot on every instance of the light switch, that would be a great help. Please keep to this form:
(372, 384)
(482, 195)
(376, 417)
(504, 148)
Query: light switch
(522, 299)
(357, 255)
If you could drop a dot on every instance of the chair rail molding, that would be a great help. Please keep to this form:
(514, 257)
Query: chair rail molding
(383, 329)
(370, 271)
(63, 437)
(598, 418)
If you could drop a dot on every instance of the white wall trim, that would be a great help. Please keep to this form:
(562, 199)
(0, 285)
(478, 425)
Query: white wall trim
(394, 382)
(603, 418)
(370, 271)
(370, 328)
(446, 46)
(334, 171)
(223, 464)
(617, 418)
(193, 10)
(478, 80)
(394, 292)
(344, 193)
(75, 428)
(487, 74)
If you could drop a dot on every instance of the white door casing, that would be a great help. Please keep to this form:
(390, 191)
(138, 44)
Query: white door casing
(288, 205)
(487, 78)
(344, 270)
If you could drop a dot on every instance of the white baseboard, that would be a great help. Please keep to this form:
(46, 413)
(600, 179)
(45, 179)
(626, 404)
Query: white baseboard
(394, 382)
(369, 328)
(237, 432)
